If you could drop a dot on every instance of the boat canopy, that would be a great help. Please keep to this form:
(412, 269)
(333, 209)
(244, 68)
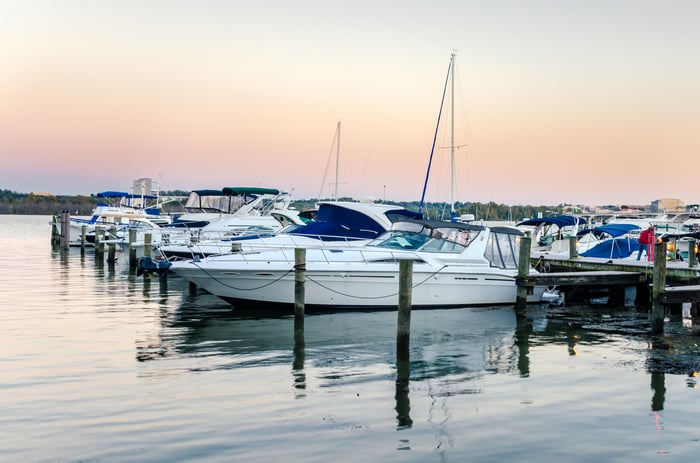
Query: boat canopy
(420, 225)
(614, 230)
(112, 194)
(560, 221)
(133, 196)
(615, 248)
(336, 222)
(207, 192)
(243, 191)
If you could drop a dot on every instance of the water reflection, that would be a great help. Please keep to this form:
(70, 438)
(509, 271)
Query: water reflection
(450, 349)
(298, 372)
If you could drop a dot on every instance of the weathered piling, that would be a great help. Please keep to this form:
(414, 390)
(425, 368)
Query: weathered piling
(65, 230)
(573, 250)
(299, 289)
(55, 232)
(147, 240)
(523, 271)
(112, 246)
(83, 237)
(99, 245)
(692, 257)
(132, 250)
(658, 312)
(403, 337)
(403, 326)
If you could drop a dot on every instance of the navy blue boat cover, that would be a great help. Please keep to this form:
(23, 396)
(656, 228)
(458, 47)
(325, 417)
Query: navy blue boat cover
(613, 230)
(613, 249)
(335, 222)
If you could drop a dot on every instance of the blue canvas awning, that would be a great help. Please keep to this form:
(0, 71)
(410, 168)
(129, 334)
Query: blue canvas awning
(336, 222)
(112, 194)
(615, 248)
(613, 230)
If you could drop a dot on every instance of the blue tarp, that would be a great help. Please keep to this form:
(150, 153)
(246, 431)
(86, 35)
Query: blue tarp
(615, 248)
(560, 221)
(614, 230)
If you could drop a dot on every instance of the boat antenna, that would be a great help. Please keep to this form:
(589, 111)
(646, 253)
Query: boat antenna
(437, 126)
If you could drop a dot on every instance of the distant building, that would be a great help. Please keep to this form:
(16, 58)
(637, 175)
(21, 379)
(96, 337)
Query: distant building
(142, 186)
(667, 205)
(42, 193)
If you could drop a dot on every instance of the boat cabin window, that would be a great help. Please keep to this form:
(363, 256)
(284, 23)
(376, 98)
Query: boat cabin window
(503, 249)
(402, 240)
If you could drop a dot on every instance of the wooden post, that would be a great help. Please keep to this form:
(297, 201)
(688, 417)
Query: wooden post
(573, 251)
(299, 289)
(403, 337)
(99, 245)
(132, 249)
(65, 230)
(111, 248)
(147, 237)
(692, 257)
(55, 232)
(658, 312)
(403, 327)
(523, 271)
(83, 235)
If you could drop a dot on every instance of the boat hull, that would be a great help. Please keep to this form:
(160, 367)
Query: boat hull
(376, 287)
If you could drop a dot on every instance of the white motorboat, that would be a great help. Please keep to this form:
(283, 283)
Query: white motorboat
(550, 234)
(115, 209)
(336, 221)
(231, 209)
(212, 215)
(454, 265)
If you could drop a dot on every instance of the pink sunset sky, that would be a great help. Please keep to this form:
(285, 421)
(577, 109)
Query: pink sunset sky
(584, 102)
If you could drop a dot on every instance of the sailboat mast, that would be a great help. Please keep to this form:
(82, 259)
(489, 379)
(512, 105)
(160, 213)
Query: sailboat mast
(452, 138)
(337, 159)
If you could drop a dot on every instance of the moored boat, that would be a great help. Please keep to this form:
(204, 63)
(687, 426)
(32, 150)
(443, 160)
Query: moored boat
(454, 264)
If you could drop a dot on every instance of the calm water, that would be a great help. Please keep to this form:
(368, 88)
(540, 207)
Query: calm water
(101, 366)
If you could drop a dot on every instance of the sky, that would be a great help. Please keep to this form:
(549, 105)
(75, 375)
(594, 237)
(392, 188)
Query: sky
(577, 102)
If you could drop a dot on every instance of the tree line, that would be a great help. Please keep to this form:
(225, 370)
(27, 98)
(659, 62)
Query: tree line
(12, 202)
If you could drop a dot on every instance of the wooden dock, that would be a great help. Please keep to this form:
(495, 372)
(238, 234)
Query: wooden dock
(615, 275)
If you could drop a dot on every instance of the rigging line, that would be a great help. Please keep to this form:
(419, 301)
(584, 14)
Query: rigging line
(432, 148)
(374, 297)
(243, 289)
(328, 163)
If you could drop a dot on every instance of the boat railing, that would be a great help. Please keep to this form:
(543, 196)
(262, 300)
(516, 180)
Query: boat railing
(356, 255)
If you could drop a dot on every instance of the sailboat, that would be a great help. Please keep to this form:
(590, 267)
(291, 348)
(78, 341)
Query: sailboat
(455, 265)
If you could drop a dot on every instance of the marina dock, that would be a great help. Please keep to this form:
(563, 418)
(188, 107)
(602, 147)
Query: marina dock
(663, 285)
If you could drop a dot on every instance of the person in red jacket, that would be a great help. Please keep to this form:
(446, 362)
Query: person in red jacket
(646, 240)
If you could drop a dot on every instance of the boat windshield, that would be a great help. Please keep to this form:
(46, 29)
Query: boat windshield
(452, 240)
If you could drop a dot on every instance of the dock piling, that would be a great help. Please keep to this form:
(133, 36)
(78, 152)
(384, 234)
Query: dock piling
(403, 326)
(299, 290)
(658, 312)
(692, 257)
(132, 250)
(83, 238)
(99, 245)
(111, 248)
(147, 239)
(65, 230)
(523, 271)
(573, 250)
